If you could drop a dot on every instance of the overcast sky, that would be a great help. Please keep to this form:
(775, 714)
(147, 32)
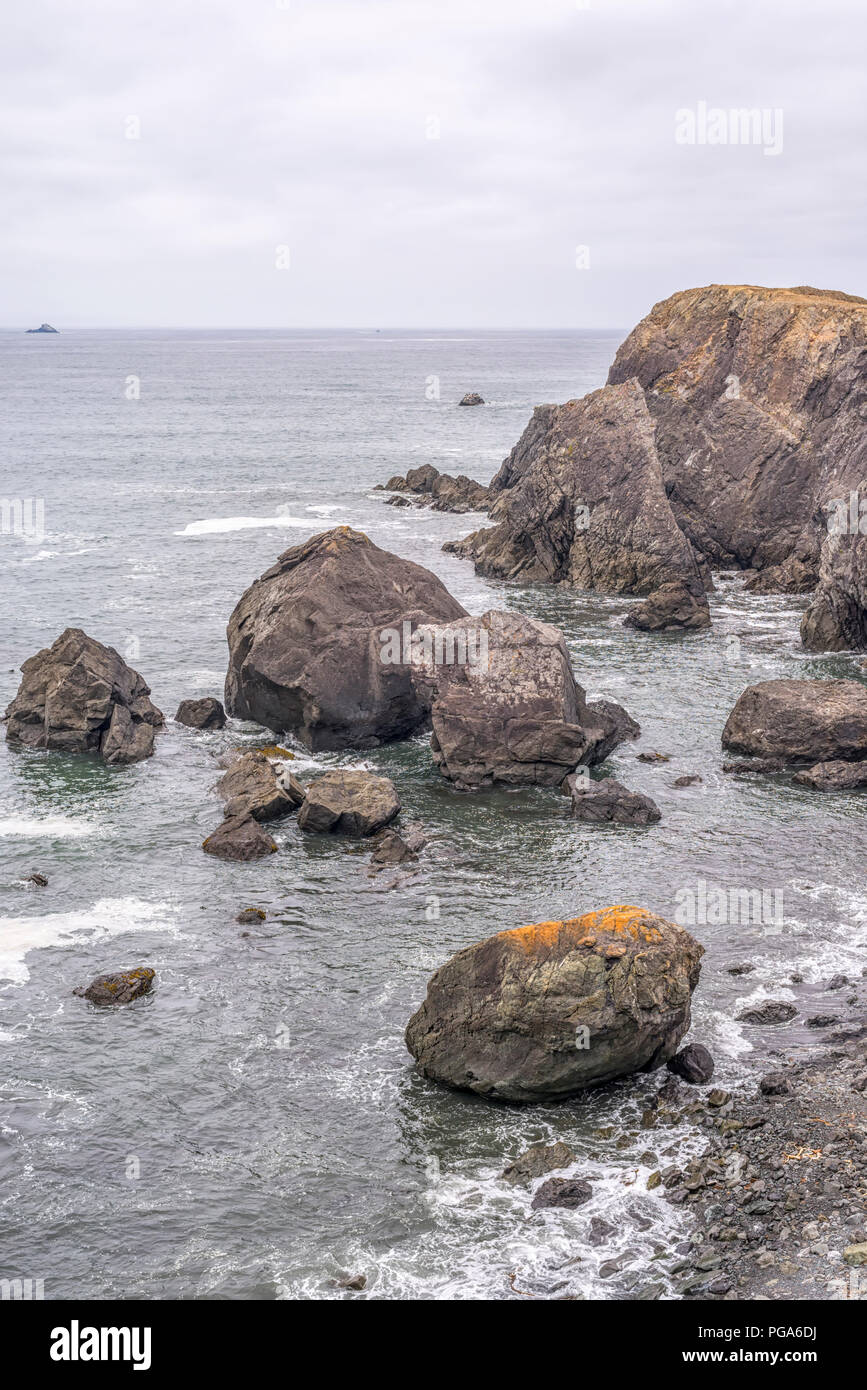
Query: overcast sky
(425, 162)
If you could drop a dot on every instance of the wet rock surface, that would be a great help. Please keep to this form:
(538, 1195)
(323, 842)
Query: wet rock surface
(207, 713)
(240, 838)
(538, 1160)
(800, 721)
(551, 1009)
(120, 988)
(78, 696)
(349, 803)
(609, 802)
(251, 787)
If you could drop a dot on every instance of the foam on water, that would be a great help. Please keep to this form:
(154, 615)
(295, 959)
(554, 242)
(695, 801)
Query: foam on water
(48, 827)
(108, 917)
(218, 525)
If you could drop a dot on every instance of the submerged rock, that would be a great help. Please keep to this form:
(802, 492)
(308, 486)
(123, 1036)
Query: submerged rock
(78, 696)
(240, 838)
(551, 1009)
(508, 709)
(391, 848)
(693, 1064)
(562, 1192)
(471, 398)
(834, 776)
(676, 605)
(537, 1160)
(349, 803)
(206, 713)
(309, 648)
(609, 801)
(251, 914)
(772, 1011)
(800, 720)
(121, 988)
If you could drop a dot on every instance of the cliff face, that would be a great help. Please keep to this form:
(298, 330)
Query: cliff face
(760, 403)
(732, 416)
(581, 500)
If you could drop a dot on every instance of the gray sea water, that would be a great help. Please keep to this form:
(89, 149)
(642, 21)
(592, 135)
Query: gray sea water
(254, 1127)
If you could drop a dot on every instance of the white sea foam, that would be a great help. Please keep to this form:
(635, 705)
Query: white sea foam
(216, 525)
(51, 827)
(108, 917)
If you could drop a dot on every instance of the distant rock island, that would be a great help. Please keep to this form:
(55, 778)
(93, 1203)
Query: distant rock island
(43, 328)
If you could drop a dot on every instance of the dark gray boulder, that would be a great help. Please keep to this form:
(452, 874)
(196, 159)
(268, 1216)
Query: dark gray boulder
(609, 802)
(679, 605)
(78, 696)
(800, 721)
(834, 776)
(693, 1064)
(505, 706)
(120, 988)
(771, 1012)
(308, 639)
(206, 713)
(562, 1192)
(349, 803)
(239, 838)
(251, 787)
(551, 1009)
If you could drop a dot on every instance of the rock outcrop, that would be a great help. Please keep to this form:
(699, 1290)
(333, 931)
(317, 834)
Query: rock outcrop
(549, 1010)
(349, 803)
(608, 801)
(251, 787)
(505, 706)
(120, 988)
(206, 713)
(239, 838)
(306, 642)
(427, 487)
(800, 721)
(471, 398)
(78, 696)
(833, 777)
(758, 396)
(43, 328)
(675, 605)
(581, 500)
(837, 617)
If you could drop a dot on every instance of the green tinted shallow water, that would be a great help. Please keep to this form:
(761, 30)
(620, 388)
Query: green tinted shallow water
(255, 1126)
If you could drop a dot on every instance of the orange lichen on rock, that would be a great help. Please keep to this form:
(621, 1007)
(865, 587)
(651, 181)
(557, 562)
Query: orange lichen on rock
(620, 920)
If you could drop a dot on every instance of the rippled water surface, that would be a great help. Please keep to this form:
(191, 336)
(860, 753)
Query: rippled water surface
(253, 1128)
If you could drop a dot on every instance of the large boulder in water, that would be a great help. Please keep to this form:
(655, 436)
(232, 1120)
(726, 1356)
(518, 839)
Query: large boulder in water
(306, 642)
(800, 721)
(505, 706)
(549, 1010)
(78, 696)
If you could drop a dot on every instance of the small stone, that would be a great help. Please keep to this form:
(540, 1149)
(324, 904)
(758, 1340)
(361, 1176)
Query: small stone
(856, 1254)
(774, 1084)
(693, 1064)
(251, 914)
(121, 988)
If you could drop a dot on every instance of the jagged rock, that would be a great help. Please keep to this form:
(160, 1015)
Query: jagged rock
(833, 776)
(776, 1083)
(505, 706)
(800, 720)
(43, 328)
(616, 725)
(772, 1011)
(676, 605)
(121, 988)
(837, 617)
(307, 642)
(251, 787)
(758, 397)
(78, 696)
(537, 1160)
(743, 968)
(562, 1192)
(349, 803)
(693, 1064)
(793, 577)
(551, 1009)
(608, 801)
(471, 398)
(391, 848)
(581, 500)
(430, 488)
(241, 838)
(206, 713)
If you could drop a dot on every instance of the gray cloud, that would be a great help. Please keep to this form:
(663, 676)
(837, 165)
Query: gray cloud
(309, 126)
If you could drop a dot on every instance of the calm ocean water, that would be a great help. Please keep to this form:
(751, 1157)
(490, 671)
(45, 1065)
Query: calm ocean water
(254, 1127)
